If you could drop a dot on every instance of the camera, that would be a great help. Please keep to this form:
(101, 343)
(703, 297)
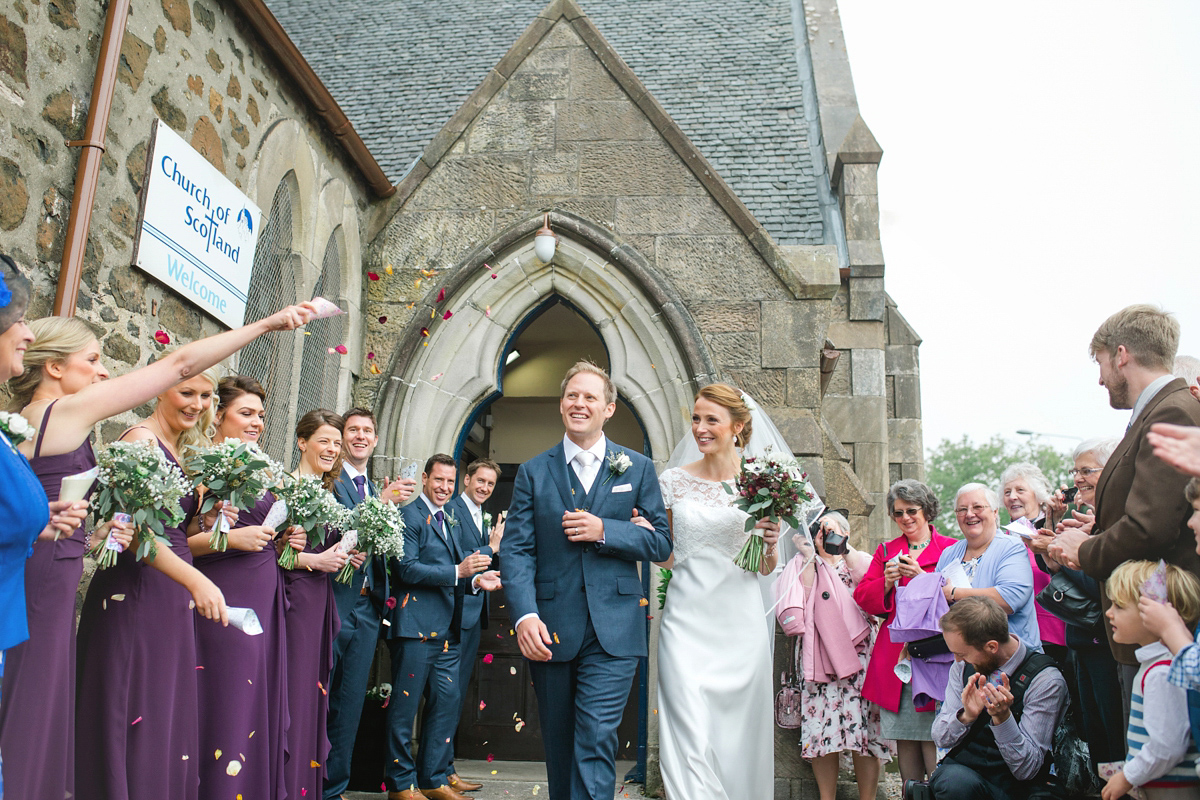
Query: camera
(1069, 494)
(836, 544)
(917, 790)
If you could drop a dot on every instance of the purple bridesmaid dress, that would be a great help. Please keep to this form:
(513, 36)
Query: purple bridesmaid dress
(312, 625)
(243, 686)
(136, 731)
(37, 711)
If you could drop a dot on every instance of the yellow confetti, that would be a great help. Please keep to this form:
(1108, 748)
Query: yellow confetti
(118, 597)
(314, 764)
(493, 771)
(536, 787)
(251, 736)
(643, 602)
(373, 369)
(217, 755)
(432, 313)
(556, 638)
(388, 269)
(233, 768)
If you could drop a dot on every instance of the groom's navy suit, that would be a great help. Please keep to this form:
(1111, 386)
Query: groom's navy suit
(423, 639)
(353, 650)
(590, 598)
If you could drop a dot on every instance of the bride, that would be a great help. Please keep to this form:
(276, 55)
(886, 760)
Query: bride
(716, 723)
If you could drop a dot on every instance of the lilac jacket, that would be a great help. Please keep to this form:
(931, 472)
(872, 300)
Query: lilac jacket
(919, 607)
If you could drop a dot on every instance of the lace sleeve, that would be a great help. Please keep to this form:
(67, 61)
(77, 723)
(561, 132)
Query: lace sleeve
(666, 484)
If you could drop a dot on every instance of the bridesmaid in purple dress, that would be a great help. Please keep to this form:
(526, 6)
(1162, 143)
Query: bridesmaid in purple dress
(312, 619)
(137, 733)
(65, 372)
(243, 687)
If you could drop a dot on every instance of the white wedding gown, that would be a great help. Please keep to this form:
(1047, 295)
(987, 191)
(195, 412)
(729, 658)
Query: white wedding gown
(716, 717)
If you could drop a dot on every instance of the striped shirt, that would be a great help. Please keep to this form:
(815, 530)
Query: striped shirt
(1161, 751)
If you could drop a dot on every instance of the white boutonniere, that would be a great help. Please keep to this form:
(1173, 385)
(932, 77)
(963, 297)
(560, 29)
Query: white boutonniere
(617, 464)
(450, 518)
(16, 427)
(487, 520)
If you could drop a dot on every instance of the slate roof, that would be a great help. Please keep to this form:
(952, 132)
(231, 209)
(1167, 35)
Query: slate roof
(725, 70)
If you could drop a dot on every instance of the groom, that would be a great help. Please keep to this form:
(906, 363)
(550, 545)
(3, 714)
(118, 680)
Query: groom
(571, 578)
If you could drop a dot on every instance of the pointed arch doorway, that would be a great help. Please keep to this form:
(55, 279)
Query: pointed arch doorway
(485, 381)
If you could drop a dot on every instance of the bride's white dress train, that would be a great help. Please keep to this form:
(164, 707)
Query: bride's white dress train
(716, 718)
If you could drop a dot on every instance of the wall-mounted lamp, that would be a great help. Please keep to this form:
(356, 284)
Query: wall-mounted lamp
(545, 241)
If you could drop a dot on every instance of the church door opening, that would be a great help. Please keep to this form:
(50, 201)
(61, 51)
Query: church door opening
(500, 711)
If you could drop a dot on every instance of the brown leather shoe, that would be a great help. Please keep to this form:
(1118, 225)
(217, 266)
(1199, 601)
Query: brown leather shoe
(444, 792)
(406, 794)
(463, 785)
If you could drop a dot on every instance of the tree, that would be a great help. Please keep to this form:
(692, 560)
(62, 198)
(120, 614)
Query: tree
(951, 464)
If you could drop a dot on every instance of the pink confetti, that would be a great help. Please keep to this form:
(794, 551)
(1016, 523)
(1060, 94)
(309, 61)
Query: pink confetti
(491, 758)
(493, 276)
(482, 705)
(488, 658)
(441, 295)
(390, 602)
(435, 377)
(136, 721)
(372, 276)
(448, 315)
(370, 356)
(341, 348)
(382, 320)
(488, 311)
(162, 337)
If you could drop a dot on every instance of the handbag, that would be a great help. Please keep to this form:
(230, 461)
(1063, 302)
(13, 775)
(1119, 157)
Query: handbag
(928, 647)
(788, 699)
(1065, 600)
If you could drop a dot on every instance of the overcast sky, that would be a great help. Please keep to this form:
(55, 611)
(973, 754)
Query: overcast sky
(1041, 168)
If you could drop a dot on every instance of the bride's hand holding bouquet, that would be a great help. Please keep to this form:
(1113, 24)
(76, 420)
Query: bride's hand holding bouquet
(770, 488)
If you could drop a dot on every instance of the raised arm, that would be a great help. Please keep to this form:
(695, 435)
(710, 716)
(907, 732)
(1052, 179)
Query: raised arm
(77, 414)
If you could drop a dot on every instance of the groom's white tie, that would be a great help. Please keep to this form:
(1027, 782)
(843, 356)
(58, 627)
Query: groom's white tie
(585, 468)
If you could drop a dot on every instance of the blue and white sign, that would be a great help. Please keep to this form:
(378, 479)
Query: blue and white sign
(198, 231)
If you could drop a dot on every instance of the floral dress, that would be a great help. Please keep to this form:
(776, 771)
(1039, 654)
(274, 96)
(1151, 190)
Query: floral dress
(836, 717)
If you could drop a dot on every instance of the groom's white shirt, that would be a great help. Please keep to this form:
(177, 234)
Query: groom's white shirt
(570, 450)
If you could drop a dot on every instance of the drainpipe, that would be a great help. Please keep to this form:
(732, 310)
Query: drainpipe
(88, 172)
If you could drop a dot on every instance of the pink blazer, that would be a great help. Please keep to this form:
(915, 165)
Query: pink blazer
(881, 685)
(834, 629)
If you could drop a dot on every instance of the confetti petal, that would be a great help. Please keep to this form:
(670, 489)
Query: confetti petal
(388, 269)
(441, 295)
(370, 356)
(162, 337)
(435, 377)
(233, 768)
(643, 602)
(512, 670)
(372, 276)
(314, 764)
(428, 273)
(382, 320)
(217, 755)
(491, 757)
(374, 369)
(136, 721)
(487, 659)
(448, 315)
(487, 312)
(424, 331)
(482, 705)
(390, 602)
(341, 348)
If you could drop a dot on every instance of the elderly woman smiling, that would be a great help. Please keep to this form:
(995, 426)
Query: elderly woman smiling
(997, 565)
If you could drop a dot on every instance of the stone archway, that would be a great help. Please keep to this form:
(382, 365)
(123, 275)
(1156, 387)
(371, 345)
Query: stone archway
(657, 356)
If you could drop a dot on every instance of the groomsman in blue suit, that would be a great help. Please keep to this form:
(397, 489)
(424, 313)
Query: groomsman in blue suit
(477, 531)
(360, 603)
(430, 581)
(570, 573)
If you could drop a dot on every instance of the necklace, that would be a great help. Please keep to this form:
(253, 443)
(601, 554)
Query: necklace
(914, 548)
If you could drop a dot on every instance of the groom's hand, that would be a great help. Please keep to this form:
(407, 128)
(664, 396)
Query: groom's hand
(533, 637)
(581, 526)
(476, 562)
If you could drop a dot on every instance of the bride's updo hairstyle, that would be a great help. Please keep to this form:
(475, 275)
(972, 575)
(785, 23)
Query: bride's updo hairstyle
(730, 398)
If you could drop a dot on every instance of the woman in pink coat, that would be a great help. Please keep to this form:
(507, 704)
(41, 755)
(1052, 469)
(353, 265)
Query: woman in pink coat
(912, 505)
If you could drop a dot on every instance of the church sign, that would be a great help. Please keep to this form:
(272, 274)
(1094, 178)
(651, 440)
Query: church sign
(197, 231)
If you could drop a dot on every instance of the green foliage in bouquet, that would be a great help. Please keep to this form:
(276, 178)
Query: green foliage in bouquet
(311, 507)
(380, 529)
(234, 471)
(137, 479)
(664, 580)
(771, 487)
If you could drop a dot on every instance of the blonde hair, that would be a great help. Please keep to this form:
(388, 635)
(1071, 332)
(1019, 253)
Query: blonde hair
(1149, 334)
(55, 340)
(610, 388)
(202, 433)
(730, 399)
(1124, 588)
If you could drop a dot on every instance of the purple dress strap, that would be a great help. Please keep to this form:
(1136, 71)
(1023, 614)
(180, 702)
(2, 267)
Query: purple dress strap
(37, 702)
(137, 721)
(243, 686)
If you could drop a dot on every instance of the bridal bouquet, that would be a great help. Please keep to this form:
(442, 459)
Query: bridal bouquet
(310, 506)
(137, 479)
(380, 532)
(234, 471)
(771, 487)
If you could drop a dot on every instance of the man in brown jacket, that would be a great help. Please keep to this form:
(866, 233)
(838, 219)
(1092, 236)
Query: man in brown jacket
(1141, 512)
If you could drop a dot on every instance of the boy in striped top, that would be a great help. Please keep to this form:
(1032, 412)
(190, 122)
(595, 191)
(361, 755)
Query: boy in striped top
(1161, 750)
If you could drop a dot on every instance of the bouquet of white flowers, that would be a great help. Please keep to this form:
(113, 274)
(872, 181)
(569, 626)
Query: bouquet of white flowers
(137, 479)
(770, 487)
(312, 507)
(234, 471)
(380, 532)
